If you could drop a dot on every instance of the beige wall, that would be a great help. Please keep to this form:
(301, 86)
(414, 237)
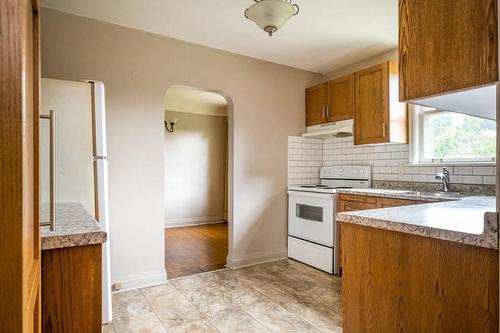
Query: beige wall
(137, 68)
(378, 59)
(195, 169)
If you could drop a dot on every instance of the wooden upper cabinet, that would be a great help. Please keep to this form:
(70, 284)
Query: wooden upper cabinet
(446, 45)
(316, 101)
(341, 98)
(378, 115)
(371, 115)
(331, 101)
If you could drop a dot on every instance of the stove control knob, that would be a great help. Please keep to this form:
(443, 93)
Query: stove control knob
(355, 170)
(341, 169)
(361, 170)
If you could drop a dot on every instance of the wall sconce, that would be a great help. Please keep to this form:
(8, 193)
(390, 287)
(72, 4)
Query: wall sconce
(171, 124)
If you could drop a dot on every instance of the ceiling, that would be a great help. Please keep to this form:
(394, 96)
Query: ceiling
(192, 100)
(326, 35)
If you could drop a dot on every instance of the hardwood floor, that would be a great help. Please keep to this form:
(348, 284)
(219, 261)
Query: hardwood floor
(197, 249)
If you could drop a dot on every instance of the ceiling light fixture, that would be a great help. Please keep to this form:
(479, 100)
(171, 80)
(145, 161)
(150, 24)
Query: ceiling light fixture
(270, 15)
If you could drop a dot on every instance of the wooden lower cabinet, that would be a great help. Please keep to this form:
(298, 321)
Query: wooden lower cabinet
(72, 289)
(396, 282)
(350, 202)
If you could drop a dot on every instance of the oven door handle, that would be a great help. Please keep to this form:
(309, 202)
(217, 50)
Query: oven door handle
(311, 194)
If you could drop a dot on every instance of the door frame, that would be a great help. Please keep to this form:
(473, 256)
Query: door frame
(497, 166)
(229, 167)
(20, 256)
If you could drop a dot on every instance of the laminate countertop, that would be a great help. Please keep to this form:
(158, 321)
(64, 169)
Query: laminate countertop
(404, 194)
(74, 227)
(468, 220)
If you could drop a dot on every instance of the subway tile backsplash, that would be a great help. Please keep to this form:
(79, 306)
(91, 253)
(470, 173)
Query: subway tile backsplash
(389, 162)
(305, 158)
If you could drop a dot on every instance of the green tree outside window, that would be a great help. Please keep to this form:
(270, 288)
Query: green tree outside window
(454, 136)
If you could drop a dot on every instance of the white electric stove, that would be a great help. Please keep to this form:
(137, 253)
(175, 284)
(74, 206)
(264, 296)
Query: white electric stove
(312, 228)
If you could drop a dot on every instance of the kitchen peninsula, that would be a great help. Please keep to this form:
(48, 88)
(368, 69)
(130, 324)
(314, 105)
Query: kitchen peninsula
(425, 268)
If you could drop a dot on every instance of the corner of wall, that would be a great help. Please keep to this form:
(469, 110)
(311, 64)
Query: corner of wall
(257, 258)
(143, 280)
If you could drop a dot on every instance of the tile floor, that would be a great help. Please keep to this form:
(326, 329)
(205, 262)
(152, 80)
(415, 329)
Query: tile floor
(281, 296)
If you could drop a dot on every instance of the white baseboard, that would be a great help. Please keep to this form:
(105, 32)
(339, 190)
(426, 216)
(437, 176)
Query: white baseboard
(258, 258)
(191, 221)
(140, 281)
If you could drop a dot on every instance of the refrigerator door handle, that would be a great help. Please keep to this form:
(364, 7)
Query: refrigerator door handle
(52, 167)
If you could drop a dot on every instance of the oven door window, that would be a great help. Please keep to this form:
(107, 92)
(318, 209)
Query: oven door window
(310, 213)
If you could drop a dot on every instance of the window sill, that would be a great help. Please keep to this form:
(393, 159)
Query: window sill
(438, 164)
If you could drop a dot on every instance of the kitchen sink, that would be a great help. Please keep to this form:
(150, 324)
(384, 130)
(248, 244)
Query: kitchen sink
(438, 194)
(401, 192)
(441, 194)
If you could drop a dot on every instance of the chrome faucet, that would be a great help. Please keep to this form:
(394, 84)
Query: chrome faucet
(444, 176)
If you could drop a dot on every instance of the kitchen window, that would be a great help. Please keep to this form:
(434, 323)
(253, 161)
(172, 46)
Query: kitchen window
(448, 137)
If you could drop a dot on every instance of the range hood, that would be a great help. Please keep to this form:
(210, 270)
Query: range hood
(339, 129)
(478, 102)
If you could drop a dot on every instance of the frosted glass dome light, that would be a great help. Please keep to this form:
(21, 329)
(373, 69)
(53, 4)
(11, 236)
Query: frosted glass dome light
(270, 15)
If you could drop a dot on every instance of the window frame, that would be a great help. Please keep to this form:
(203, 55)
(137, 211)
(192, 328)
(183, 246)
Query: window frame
(416, 129)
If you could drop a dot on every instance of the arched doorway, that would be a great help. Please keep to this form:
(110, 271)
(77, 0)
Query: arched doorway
(198, 186)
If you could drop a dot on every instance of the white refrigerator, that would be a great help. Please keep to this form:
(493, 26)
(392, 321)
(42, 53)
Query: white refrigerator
(81, 169)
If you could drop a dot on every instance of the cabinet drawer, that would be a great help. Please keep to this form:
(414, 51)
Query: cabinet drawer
(388, 202)
(347, 206)
(359, 198)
